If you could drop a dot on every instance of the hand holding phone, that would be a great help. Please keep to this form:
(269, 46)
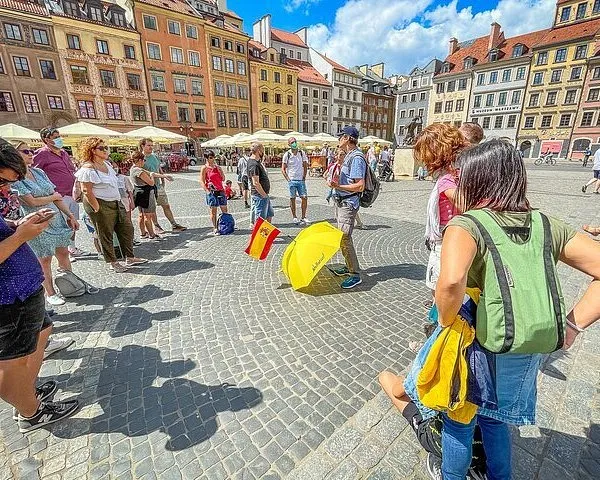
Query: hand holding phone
(45, 216)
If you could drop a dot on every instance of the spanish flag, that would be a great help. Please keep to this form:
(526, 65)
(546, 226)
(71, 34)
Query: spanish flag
(262, 239)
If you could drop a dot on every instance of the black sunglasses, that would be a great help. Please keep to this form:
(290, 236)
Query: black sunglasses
(27, 151)
(102, 148)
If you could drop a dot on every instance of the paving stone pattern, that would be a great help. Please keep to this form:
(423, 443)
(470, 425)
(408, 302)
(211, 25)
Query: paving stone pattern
(206, 364)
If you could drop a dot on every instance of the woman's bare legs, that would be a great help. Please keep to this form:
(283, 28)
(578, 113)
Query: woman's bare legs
(62, 255)
(46, 263)
(393, 386)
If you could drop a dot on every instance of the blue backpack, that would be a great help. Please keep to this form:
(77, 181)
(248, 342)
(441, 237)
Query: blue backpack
(225, 224)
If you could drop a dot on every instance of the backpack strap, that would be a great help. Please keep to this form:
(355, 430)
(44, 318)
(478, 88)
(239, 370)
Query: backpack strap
(509, 317)
(551, 280)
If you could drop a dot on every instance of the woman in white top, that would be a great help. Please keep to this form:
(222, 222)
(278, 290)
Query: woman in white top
(102, 202)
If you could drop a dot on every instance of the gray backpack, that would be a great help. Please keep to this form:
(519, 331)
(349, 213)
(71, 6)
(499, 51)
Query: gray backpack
(69, 285)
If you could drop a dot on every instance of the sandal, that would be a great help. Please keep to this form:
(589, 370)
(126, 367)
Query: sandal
(594, 231)
(131, 262)
(118, 267)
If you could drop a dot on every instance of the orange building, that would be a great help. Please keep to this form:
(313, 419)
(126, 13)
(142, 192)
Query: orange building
(175, 55)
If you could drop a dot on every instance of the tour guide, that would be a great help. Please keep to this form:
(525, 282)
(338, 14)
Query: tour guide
(348, 185)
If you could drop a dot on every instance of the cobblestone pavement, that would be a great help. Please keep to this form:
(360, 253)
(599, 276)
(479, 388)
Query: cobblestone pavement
(206, 364)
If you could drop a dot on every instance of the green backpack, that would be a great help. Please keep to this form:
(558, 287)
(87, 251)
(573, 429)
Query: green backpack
(521, 308)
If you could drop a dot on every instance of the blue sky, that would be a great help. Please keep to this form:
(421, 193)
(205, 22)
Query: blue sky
(401, 33)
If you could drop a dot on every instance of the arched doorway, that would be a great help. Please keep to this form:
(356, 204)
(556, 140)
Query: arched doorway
(525, 148)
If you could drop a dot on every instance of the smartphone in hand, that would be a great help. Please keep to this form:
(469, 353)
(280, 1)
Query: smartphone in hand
(45, 216)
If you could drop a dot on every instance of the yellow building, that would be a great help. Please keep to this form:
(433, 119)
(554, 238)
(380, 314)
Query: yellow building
(575, 11)
(274, 87)
(553, 94)
(228, 76)
(101, 60)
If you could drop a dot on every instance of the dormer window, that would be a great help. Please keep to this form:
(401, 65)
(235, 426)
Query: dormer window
(517, 51)
(493, 55)
(468, 63)
(71, 9)
(446, 67)
(118, 19)
(95, 13)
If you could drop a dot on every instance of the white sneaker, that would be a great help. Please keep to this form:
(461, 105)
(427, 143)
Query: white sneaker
(55, 300)
(56, 345)
(296, 221)
(305, 221)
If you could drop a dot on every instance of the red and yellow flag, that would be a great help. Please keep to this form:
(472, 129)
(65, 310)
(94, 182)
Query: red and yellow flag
(262, 239)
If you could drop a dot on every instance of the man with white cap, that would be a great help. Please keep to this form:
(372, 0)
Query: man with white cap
(294, 167)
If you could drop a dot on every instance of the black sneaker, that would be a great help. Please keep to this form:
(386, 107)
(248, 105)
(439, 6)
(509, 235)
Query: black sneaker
(476, 474)
(48, 413)
(434, 466)
(43, 392)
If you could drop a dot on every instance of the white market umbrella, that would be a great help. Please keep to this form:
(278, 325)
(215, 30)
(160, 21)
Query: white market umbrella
(84, 129)
(372, 139)
(237, 140)
(325, 138)
(301, 137)
(215, 142)
(266, 137)
(10, 131)
(157, 135)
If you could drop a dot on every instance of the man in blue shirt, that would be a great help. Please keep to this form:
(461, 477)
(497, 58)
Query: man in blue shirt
(348, 187)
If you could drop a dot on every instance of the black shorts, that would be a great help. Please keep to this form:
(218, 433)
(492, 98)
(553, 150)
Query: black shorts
(429, 435)
(597, 174)
(245, 183)
(21, 324)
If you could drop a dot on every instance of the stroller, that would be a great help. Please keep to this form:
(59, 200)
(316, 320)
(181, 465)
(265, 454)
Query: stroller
(385, 172)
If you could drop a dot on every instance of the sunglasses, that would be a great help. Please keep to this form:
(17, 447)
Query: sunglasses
(4, 181)
(27, 151)
(102, 148)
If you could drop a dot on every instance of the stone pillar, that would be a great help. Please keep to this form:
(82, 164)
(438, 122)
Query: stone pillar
(405, 164)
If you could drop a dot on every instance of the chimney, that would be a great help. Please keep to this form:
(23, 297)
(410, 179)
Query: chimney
(222, 5)
(496, 36)
(303, 34)
(453, 46)
(378, 69)
(261, 31)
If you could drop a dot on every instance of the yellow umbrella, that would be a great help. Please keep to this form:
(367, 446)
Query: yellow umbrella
(309, 252)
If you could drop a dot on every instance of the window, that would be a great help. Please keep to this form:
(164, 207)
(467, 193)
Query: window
(71, 8)
(102, 46)
(404, 98)
(240, 48)
(421, 98)
(264, 97)
(576, 73)
(506, 74)
(439, 88)
(158, 82)
(191, 31)
(305, 109)
(502, 99)
(162, 113)
(277, 77)
(517, 51)
(290, 100)
(324, 110)
(571, 97)
(183, 114)
(139, 113)
(113, 111)
(278, 98)
(486, 122)
(241, 68)
(565, 120)
(47, 69)
(216, 63)
(216, 43)
(315, 109)
(30, 102)
(199, 115)
(6, 103)
(489, 100)
(493, 55)
(551, 98)
(586, 119)
(150, 22)
(233, 119)
(498, 122)
(581, 8)
(593, 94)
(450, 88)
(580, 52)
(534, 99)
(477, 101)
(565, 14)
(179, 85)
(556, 76)
(219, 89)
(107, 77)
(231, 90)
(154, 51)
(86, 109)
(12, 31)
(596, 7)
(54, 102)
(596, 74)
(437, 108)
(538, 78)
(265, 121)
(244, 120)
(193, 58)
(447, 108)
(512, 121)
(542, 58)
(462, 84)
(546, 121)
(494, 77)
(73, 42)
(40, 36)
(468, 63)
(243, 92)
(278, 122)
(129, 52)
(197, 87)
(176, 55)
(221, 119)
(229, 66)
(228, 45)
(561, 55)
(22, 66)
(315, 127)
(95, 13)
(520, 73)
(174, 27)
(290, 80)
(516, 97)
(460, 106)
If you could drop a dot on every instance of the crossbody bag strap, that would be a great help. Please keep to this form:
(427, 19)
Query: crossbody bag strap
(509, 317)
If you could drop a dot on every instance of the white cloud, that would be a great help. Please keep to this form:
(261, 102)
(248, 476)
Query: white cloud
(293, 5)
(406, 33)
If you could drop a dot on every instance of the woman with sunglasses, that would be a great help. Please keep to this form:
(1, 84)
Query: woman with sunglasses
(102, 202)
(37, 192)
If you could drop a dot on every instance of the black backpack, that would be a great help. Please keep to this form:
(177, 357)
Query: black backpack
(372, 185)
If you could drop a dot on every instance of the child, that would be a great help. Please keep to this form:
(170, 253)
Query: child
(126, 191)
(333, 171)
(229, 193)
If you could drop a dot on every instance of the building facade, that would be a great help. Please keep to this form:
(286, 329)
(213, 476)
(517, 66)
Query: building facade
(413, 96)
(274, 87)
(377, 116)
(101, 60)
(33, 93)
(586, 133)
(555, 88)
(574, 11)
(499, 86)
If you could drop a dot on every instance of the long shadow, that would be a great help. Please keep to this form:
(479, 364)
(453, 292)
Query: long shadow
(367, 227)
(176, 267)
(133, 405)
(106, 295)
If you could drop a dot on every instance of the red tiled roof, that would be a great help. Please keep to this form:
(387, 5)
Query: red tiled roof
(570, 32)
(256, 45)
(307, 73)
(477, 49)
(233, 28)
(287, 37)
(231, 13)
(336, 65)
(506, 47)
(26, 7)
(173, 5)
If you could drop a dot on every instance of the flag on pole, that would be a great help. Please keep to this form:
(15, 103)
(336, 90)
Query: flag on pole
(262, 239)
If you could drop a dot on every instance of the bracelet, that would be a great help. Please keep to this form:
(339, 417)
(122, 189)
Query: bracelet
(575, 327)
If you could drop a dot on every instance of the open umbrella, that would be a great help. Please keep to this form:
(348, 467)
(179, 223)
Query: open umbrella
(216, 142)
(372, 139)
(10, 131)
(324, 138)
(157, 135)
(301, 137)
(85, 129)
(312, 248)
(239, 139)
(266, 137)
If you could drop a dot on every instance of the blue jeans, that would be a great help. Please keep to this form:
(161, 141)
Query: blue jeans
(261, 207)
(457, 441)
(297, 188)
